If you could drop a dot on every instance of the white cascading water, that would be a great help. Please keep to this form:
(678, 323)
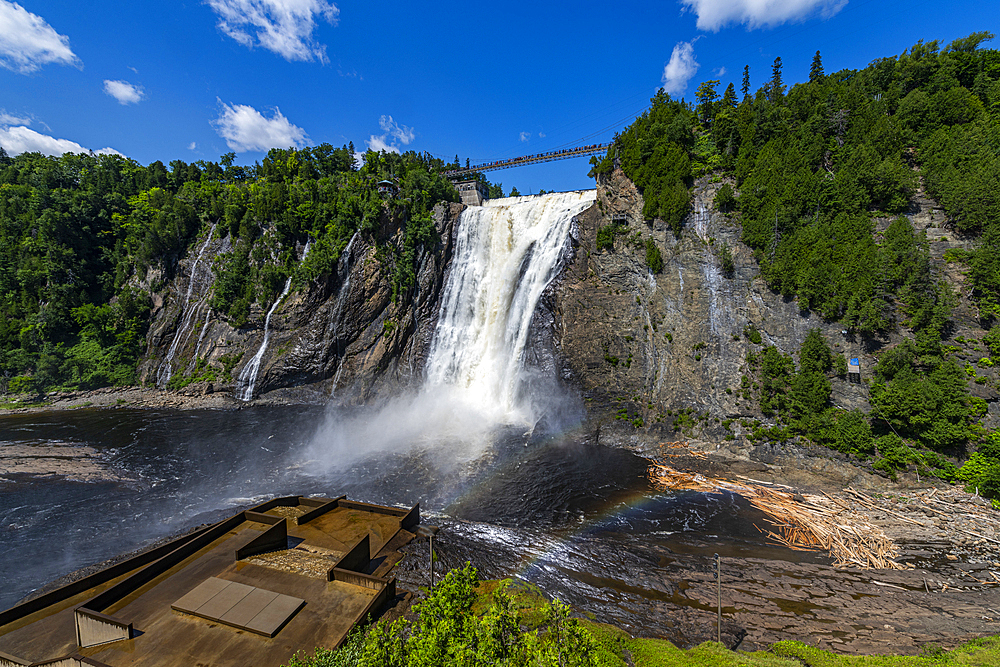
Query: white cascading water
(247, 379)
(187, 317)
(344, 273)
(506, 253)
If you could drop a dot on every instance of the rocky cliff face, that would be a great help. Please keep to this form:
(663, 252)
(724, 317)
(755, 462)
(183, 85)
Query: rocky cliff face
(343, 335)
(654, 351)
(657, 357)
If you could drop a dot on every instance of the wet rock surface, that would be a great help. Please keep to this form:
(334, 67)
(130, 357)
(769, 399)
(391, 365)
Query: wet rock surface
(948, 593)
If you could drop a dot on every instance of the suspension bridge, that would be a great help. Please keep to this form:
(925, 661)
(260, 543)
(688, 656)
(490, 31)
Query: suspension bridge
(566, 153)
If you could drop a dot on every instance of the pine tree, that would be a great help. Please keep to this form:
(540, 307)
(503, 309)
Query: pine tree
(816, 71)
(729, 97)
(776, 86)
(745, 88)
(707, 97)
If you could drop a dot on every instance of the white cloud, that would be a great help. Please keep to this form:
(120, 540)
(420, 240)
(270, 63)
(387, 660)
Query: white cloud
(245, 129)
(716, 14)
(680, 69)
(193, 145)
(282, 26)
(392, 135)
(123, 91)
(27, 42)
(541, 134)
(16, 140)
(525, 136)
(10, 119)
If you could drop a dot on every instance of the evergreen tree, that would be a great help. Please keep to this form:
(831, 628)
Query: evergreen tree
(745, 88)
(707, 96)
(816, 71)
(776, 87)
(729, 97)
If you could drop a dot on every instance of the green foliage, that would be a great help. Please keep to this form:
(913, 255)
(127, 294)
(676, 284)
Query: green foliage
(840, 365)
(606, 237)
(515, 626)
(753, 334)
(979, 652)
(982, 471)
(201, 372)
(79, 233)
(992, 341)
(656, 154)
(21, 384)
(924, 398)
(725, 198)
(654, 260)
(776, 372)
(726, 262)
(464, 623)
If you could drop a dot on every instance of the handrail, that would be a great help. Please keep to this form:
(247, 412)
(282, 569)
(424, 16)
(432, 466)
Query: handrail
(529, 159)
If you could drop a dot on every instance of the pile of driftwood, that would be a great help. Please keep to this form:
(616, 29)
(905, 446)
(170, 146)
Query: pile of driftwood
(801, 522)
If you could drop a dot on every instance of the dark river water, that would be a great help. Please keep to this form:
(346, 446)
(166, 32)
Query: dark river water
(539, 495)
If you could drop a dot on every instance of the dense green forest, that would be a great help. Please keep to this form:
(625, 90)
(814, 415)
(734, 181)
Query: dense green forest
(84, 237)
(807, 170)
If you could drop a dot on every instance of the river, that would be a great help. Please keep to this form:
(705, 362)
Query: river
(179, 469)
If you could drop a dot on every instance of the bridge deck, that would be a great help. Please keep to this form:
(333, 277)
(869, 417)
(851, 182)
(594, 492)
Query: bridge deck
(592, 149)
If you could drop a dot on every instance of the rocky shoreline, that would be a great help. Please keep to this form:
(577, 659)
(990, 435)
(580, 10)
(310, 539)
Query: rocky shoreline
(198, 396)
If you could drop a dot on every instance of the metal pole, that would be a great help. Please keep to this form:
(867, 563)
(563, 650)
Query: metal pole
(430, 540)
(718, 577)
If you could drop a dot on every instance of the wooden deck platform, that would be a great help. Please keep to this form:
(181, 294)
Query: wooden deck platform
(306, 607)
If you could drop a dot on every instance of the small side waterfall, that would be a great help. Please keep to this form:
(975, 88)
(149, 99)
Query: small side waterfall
(506, 253)
(247, 379)
(344, 273)
(188, 316)
(248, 376)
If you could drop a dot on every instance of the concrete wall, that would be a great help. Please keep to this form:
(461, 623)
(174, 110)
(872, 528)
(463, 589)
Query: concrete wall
(472, 193)
(93, 628)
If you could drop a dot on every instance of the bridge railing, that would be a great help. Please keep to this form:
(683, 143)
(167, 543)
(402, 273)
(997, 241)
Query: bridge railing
(529, 159)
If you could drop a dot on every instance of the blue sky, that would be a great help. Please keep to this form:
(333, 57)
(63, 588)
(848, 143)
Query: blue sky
(193, 80)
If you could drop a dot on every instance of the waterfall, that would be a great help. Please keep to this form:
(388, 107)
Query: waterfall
(187, 317)
(344, 273)
(248, 376)
(506, 253)
(476, 380)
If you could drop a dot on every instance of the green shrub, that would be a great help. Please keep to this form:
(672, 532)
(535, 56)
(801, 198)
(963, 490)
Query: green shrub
(21, 384)
(725, 198)
(606, 237)
(726, 261)
(654, 260)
